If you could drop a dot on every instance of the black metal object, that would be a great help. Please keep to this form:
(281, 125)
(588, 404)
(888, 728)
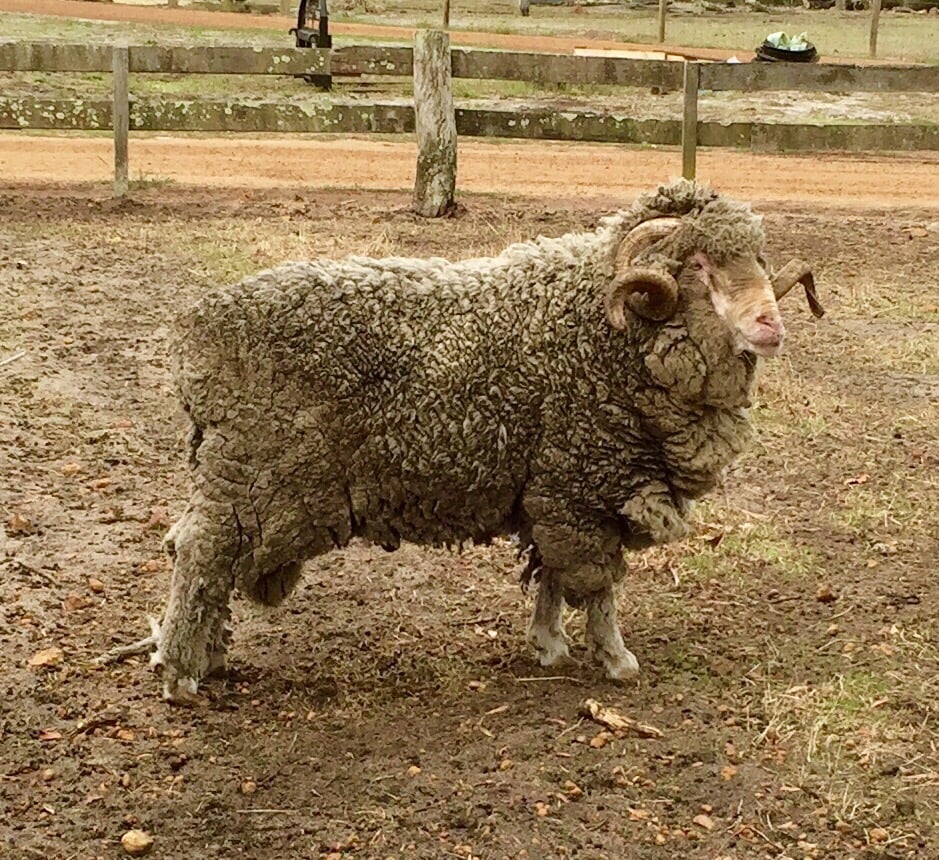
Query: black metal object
(766, 53)
(312, 31)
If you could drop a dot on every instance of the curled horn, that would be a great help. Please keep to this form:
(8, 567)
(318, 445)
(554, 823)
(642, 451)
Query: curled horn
(641, 237)
(798, 272)
(649, 292)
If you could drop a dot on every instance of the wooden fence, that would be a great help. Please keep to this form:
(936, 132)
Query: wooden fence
(331, 115)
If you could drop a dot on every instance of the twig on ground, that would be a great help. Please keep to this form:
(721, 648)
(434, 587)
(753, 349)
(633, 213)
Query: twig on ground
(549, 678)
(141, 646)
(11, 358)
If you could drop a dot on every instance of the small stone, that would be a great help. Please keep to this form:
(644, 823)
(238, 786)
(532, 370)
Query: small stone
(704, 821)
(70, 469)
(414, 770)
(878, 834)
(136, 842)
(601, 740)
(824, 594)
(48, 775)
(95, 585)
(249, 786)
(572, 789)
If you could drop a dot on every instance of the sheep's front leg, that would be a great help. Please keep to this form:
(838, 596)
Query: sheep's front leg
(193, 636)
(653, 513)
(604, 639)
(546, 630)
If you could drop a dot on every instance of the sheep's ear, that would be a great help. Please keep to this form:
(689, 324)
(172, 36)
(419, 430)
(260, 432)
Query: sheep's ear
(649, 293)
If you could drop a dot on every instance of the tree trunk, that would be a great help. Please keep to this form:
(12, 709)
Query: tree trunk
(435, 124)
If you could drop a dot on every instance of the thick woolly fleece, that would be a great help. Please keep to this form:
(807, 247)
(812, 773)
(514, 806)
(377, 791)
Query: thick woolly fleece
(437, 402)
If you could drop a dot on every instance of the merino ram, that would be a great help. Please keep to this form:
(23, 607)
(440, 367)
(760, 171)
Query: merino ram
(579, 392)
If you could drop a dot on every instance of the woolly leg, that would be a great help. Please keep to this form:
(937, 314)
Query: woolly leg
(193, 635)
(604, 640)
(546, 631)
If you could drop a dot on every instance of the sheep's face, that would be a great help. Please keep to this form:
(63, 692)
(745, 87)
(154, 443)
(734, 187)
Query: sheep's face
(741, 291)
(742, 296)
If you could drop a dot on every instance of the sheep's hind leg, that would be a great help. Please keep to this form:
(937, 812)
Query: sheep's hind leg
(205, 545)
(546, 631)
(604, 639)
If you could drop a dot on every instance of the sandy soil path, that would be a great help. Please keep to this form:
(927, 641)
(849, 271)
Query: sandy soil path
(553, 170)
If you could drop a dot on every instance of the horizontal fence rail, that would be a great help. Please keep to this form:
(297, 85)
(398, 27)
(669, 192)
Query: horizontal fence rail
(526, 123)
(469, 63)
(124, 113)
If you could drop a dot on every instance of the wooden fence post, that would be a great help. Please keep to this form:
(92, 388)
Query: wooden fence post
(689, 121)
(875, 21)
(446, 13)
(120, 116)
(523, 7)
(284, 7)
(435, 124)
(662, 7)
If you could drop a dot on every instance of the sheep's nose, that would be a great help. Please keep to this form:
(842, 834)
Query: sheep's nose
(769, 329)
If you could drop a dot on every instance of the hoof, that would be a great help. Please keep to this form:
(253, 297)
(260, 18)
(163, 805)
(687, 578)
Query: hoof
(181, 691)
(623, 667)
(552, 651)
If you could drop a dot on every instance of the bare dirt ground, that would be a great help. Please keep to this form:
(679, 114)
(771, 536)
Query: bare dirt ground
(391, 708)
(553, 170)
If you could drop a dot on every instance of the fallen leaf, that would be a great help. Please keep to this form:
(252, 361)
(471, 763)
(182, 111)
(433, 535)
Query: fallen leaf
(76, 602)
(728, 772)
(18, 525)
(639, 814)
(152, 565)
(50, 735)
(878, 834)
(863, 478)
(600, 740)
(125, 734)
(414, 770)
(47, 657)
(136, 842)
(824, 594)
(572, 789)
(249, 786)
